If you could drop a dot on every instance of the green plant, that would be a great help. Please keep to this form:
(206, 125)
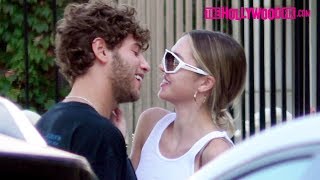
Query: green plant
(40, 52)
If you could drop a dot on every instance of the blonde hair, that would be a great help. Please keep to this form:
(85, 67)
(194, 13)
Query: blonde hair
(223, 58)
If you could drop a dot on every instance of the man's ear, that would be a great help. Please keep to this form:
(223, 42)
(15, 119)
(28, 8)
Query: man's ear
(208, 82)
(100, 50)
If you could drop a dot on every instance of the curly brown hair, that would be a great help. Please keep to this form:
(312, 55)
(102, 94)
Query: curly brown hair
(84, 22)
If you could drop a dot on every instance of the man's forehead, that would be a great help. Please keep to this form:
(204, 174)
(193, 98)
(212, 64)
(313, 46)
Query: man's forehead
(132, 41)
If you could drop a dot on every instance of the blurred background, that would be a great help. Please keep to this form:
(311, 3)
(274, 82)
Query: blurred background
(283, 80)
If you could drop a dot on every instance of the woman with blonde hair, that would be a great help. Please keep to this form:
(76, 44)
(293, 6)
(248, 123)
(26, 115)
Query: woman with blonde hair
(203, 74)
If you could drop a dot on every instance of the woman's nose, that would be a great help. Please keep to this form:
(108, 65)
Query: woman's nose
(161, 67)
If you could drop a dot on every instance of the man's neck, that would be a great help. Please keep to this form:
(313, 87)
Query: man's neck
(95, 94)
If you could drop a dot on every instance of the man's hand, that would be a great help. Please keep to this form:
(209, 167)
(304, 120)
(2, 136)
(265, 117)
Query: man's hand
(119, 121)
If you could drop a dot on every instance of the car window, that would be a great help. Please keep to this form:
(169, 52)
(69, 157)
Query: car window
(289, 169)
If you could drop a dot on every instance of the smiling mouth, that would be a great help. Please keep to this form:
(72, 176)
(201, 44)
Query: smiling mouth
(138, 77)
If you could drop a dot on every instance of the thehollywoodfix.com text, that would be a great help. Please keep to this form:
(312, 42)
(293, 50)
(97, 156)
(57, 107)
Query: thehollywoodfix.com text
(255, 13)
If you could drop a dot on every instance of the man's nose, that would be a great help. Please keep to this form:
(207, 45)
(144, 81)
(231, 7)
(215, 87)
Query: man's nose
(145, 65)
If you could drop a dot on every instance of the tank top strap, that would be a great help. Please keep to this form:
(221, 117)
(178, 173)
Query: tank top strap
(161, 125)
(201, 143)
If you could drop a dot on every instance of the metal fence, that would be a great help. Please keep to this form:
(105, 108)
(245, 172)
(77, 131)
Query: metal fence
(283, 57)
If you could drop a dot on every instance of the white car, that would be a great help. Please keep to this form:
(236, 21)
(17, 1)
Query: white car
(14, 123)
(25, 155)
(287, 151)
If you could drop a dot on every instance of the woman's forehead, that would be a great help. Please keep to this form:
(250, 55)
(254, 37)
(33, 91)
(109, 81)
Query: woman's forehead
(183, 48)
(182, 43)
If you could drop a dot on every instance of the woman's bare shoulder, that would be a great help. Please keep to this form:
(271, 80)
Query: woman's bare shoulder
(146, 123)
(215, 147)
(151, 116)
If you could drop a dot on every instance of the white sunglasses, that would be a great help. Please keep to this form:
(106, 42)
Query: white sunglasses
(172, 63)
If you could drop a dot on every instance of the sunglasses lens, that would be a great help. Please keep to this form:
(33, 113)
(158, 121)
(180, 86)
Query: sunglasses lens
(170, 62)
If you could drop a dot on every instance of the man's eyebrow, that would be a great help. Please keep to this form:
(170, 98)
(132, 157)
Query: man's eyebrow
(138, 44)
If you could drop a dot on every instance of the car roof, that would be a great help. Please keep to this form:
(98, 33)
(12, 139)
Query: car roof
(14, 123)
(13, 145)
(299, 132)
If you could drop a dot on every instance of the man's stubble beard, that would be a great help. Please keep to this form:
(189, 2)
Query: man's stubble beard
(122, 79)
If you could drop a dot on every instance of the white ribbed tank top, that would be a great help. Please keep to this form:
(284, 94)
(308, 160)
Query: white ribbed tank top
(154, 166)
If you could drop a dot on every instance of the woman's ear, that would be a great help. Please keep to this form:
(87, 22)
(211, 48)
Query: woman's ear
(207, 83)
(100, 50)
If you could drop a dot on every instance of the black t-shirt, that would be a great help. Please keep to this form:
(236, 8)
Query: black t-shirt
(78, 128)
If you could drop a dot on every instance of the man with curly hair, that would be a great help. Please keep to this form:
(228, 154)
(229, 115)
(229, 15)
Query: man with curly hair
(99, 51)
